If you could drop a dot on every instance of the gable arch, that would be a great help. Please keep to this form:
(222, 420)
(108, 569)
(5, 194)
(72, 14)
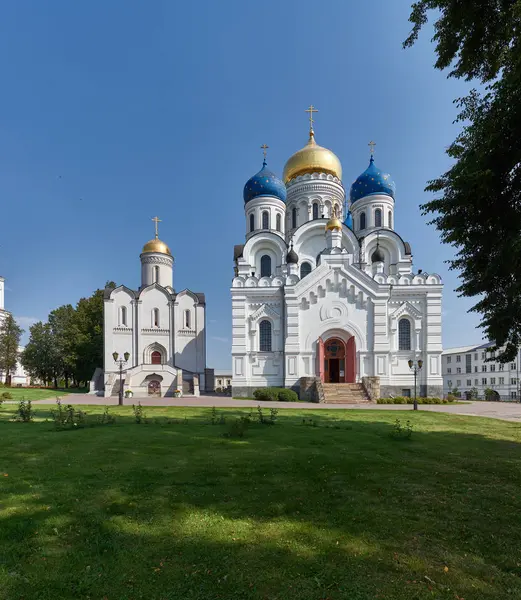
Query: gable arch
(154, 348)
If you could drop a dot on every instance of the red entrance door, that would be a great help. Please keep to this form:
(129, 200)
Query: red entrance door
(154, 388)
(351, 360)
(334, 361)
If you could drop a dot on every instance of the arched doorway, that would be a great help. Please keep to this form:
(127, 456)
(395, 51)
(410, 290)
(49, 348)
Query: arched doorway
(154, 387)
(337, 360)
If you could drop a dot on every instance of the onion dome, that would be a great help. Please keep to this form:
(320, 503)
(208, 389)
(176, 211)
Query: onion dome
(377, 255)
(334, 224)
(292, 256)
(264, 183)
(371, 182)
(312, 159)
(349, 221)
(157, 246)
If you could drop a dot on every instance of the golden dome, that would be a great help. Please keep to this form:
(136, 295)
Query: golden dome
(312, 159)
(334, 223)
(156, 245)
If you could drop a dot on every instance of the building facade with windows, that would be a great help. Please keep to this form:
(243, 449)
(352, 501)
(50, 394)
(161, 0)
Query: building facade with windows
(472, 369)
(324, 286)
(19, 377)
(163, 331)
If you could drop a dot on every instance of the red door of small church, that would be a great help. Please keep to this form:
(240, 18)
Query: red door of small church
(339, 361)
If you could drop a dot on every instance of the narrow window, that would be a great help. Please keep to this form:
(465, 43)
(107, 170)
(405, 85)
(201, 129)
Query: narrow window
(156, 274)
(294, 218)
(155, 317)
(315, 210)
(265, 266)
(123, 317)
(377, 218)
(390, 219)
(305, 269)
(265, 336)
(252, 222)
(404, 334)
(265, 220)
(156, 357)
(362, 221)
(278, 222)
(188, 319)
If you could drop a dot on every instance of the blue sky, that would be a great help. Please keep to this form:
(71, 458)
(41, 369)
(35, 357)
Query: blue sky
(114, 111)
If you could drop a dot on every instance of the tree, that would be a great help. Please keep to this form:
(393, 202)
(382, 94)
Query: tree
(10, 334)
(39, 357)
(478, 203)
(64, 331)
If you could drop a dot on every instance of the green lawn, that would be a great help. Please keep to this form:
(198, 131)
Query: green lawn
(337, 511)
(37, 393)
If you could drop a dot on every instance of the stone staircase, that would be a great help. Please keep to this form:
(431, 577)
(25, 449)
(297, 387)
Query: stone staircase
(345, 393)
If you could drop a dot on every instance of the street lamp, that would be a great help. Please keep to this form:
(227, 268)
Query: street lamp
(120, 362)
(415, 368)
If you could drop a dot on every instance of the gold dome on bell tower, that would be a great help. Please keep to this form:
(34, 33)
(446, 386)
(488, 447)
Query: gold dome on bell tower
(312, 158)
(156, 245)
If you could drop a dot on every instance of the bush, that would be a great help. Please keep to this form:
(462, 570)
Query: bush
(237, 428)
(407, 400)
(139, 414)
(7, 396)
(24, 412)
(68, 417)
(401, 432)
(272, 394)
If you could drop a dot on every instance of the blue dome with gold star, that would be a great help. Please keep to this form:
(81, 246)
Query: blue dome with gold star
(371, 182)
(349, 221)
(264, 183)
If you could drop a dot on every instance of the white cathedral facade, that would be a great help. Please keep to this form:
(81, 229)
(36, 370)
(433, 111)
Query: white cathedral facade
(324, 287)
(162, 330)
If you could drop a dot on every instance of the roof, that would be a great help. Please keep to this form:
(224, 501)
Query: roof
(222, 373)
(463, 349)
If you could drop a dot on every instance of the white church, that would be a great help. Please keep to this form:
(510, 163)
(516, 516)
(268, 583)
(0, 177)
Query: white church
(324, 289)
(162, 330)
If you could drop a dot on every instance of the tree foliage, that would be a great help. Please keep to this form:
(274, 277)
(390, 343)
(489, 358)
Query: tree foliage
(10, 334)
(477, 207)
(70, 345)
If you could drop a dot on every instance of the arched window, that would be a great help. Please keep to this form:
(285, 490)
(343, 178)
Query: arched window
(404, 334)
(315, 210)
(278, 222)
(265, 336)
(188, 319)
(377, 218)
(123, 316)
(156, 357)
(265, 266)
(294, 218)
(155, 317)
(265, 220)
(156, 274)
(362, 221)
(252, 222)
(390, 219)
(305, 269)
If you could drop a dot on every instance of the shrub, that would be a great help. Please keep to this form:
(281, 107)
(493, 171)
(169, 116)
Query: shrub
(237, 428)
(272, 394)
(68, 417)
(139, 413)
(401, 432)
(106, 418)
(7, 396)
(24, 412)
(407, 400)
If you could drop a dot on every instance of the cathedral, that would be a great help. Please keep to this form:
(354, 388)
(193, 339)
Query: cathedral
(324, 287)
(161, 332)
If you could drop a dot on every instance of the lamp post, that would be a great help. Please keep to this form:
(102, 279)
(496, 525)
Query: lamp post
(415, 367)
(120, 362)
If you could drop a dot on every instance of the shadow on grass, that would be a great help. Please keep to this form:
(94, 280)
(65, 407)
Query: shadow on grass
(177, 511)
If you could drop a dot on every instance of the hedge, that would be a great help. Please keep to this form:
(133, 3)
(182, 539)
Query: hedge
(407, 400)
(275, 394)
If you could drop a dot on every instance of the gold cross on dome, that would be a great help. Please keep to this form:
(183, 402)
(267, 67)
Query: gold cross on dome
(372, 145)
(311, 110)
(156, 221)
(264, 148)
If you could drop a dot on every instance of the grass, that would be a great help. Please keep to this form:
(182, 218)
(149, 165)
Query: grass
(39, 393)
(333, 511)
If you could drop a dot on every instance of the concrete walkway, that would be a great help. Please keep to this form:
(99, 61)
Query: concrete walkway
(508, 411)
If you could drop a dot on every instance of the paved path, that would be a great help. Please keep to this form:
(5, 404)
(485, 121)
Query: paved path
(508, 411)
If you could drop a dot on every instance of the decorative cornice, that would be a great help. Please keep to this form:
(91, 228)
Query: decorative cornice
(187, 332)
(157, 260)
(155, 330)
